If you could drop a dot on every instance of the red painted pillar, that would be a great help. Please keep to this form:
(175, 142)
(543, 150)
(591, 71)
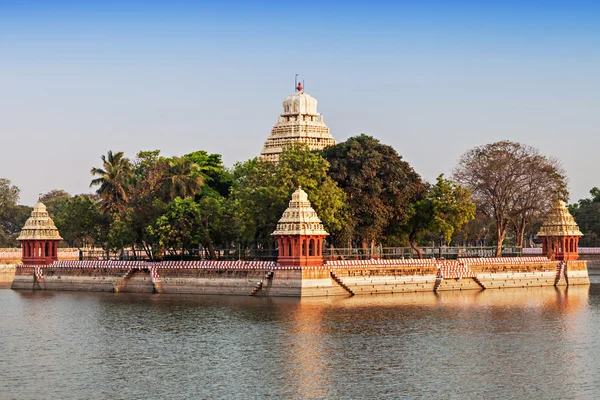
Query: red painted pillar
(279, 248)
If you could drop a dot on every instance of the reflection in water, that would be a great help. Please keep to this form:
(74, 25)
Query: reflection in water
(306, 371)
(512, 343)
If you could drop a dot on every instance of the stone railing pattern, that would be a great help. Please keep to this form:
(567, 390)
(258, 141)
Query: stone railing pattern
(581, 250)
(167, 264)
(98, 264)
(429, 262)
(10, 254)
(380, 262)
(449, 267)
(16, 253)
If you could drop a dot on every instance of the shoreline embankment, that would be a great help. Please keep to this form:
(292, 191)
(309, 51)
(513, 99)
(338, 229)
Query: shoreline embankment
(333, 278)
(7, 274)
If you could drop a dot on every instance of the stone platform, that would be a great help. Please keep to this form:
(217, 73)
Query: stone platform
(334, 278)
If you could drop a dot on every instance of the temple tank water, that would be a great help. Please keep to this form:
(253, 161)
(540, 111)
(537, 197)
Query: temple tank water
(513, 343)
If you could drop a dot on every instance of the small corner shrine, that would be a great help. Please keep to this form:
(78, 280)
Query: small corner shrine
(560, 234)
(300, 234)
(39, 238)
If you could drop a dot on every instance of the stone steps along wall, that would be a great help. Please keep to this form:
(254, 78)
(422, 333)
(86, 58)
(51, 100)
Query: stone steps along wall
(388, 279)
(241, 279)
(490, 274)
(189, 281)
(319, 283)
(232, 282)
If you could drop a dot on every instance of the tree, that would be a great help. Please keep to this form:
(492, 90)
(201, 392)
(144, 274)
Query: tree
(211, 210)
(9, 194)
(53, 194)
(55, 201)
(12, 215)
(147, 200)
(263, 190)
(587, 215)
(444, 209)
(182, 178)
(180, 227)
(114, 179)
(379, 186)
(81, 223)
(216, 177)
(120, 233)
(511, 183)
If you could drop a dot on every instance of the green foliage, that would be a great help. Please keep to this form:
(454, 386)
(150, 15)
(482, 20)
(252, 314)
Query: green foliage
(113, 180)
(55, 201)
(379, 186)
(9, 194)
(216, 177)
(180, 227)
(182, 178)
(12, 215)
(145, 162)
(452, 207)
(445, 208)
(587, 215)
(263, 190)
(80, 222)
(120, 233)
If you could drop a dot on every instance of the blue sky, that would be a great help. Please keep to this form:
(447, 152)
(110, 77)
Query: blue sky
(430, 78)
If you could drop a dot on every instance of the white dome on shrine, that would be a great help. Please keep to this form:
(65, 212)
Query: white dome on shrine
(559, 222)
(39, 226)
(300, 103)
(300, 218)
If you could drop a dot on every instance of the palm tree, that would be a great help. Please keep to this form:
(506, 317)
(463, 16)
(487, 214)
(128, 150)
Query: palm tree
(183, 178)
(114, 179)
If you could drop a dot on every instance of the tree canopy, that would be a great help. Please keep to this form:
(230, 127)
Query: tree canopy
(12, 215)
(443, 209)
(587, 215)
(113, 180)
(511, 184)
(378, 184)
(362, 190)
(262, 190)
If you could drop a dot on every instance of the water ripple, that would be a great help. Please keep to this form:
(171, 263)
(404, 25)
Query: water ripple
(522, 343)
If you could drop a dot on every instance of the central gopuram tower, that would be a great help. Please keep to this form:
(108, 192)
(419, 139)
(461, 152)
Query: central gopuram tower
(39, 238)
(300, 234)
(299, 123)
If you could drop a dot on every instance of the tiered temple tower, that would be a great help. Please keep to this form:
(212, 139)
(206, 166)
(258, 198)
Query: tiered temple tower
(560, 234)
(300, 234)
(299, 123)
(39, 238)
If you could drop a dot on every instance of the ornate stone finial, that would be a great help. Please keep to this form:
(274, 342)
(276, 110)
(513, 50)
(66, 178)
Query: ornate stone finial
(39, 226)
(299, 87)
(559, 222)
(300, 218)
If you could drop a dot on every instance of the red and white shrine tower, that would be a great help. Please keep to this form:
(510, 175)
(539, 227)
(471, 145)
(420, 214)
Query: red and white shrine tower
(39, 238)
(560, 234)
(300, 234)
